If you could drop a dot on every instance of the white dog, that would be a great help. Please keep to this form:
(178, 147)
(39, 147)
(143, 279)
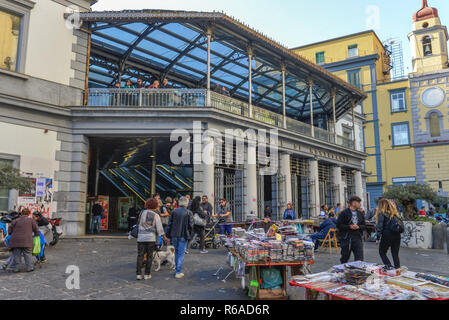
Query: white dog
(161, 256)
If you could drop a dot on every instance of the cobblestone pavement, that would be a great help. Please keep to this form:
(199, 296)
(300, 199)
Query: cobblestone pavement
(107, 271)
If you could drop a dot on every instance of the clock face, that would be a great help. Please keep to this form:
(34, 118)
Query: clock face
(433, 97)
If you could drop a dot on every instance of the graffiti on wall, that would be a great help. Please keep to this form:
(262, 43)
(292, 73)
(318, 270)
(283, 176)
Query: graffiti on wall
(414, 234)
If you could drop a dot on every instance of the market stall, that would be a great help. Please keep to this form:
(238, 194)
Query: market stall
(260, 259)
(367, 281)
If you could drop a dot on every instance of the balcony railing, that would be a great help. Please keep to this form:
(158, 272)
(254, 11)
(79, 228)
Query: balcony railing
(197, 98)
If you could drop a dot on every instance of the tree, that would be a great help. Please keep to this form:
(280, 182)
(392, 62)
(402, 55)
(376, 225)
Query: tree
(407, 194)
(10, 178)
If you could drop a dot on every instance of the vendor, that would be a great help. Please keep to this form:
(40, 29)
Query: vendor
(289, 213)
(329, 223)
(225, 215)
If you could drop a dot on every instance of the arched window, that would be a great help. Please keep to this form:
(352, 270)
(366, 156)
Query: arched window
(427, 45)
(434, 125)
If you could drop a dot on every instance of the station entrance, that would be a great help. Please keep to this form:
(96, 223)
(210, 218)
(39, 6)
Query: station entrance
(125, 171)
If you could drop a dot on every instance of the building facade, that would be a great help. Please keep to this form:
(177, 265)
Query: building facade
(429, 100)
(78, 139)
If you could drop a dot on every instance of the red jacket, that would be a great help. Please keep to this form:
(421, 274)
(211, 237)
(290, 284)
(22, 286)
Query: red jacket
(21, 231)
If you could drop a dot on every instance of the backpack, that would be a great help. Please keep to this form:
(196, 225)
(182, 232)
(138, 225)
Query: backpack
(396, 225)
(135, 228)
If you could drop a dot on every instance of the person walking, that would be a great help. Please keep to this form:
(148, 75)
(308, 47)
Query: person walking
(180, 228)
(150, 229)
(21, 241)
(45, 228)
(225, 216)
(389, 228)
(198, 230)
(97, 212)
(351, 225)
(289, 213)
(132, 216)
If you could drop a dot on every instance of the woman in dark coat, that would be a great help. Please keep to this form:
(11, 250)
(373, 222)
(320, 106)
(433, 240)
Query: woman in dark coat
(21, 242)
(198, 230)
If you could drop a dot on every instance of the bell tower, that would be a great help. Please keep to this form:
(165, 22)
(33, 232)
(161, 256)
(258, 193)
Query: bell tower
(428, 41)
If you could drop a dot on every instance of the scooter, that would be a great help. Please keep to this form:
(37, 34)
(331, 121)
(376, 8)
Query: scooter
(56, 229)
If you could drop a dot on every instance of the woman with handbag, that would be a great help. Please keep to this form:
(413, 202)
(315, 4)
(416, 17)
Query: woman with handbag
(199, 218)
(389, 228)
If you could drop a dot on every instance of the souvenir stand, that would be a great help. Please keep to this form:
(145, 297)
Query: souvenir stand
(367, 281)
(261, 259)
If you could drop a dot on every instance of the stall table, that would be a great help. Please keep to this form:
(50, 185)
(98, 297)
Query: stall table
(263, 294)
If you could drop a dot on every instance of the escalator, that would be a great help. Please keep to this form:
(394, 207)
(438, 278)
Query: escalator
(136, 180)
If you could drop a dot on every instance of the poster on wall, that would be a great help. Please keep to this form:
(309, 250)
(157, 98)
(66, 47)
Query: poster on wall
(39, 198)
(123, 206)
(104, 202)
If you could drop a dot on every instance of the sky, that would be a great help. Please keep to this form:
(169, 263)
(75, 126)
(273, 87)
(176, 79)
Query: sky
(295, 23)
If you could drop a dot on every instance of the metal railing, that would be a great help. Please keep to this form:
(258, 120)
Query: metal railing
(116, 97)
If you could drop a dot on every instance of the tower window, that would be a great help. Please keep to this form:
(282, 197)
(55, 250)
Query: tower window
(427, 46)
(425, 25)
(353, 51)
(434, 124)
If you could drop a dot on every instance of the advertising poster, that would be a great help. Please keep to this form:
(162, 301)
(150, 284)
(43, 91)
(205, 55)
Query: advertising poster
(39, 198)
(104, 202)
(123, 206)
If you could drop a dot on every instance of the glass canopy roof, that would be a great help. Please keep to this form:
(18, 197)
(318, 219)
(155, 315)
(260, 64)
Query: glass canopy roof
(154, 44)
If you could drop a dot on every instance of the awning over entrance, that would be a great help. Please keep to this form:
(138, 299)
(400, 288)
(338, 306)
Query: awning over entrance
(154, 44)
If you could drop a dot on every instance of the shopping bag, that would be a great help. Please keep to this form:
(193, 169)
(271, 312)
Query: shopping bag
(36, 246)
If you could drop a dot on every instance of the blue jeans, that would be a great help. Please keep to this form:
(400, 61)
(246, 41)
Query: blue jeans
(226, 228)
(98, 220)
(180, 245)
(317, 236)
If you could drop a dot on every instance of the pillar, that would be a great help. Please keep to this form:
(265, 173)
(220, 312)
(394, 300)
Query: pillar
(339, 194)
(314, 191)
(250, 82)
(286, 172)
(251, 181)
(334, 94)
(153, 168)
(97, 170)
(358, 184)
(208, 166)
(311, 106)
(353, 126)
(71, 182)
(209, 37)
(284, 112)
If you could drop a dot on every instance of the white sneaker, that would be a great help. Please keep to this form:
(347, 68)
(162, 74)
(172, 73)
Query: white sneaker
(139, 277)
(179, 275)
(204, 251)
(147, 277)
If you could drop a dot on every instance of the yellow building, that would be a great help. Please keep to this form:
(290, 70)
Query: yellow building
(362, 60)
(429, 84)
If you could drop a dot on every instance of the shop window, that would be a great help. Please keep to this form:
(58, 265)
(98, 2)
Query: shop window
(434, 125)
(319, 57)
(427, 46)
(353, 51)
(10, 32)
(354, 78)
(398, 101)
(401, 136)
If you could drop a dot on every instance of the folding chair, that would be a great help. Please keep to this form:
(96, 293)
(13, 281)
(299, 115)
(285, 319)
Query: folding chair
(327, 242)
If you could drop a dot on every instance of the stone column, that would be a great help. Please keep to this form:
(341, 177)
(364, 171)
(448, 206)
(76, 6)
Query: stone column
(339, 194)
(286, 172)
(209, 169)
(251, 183)
(358, 184)
(314, 201)
(71, 179)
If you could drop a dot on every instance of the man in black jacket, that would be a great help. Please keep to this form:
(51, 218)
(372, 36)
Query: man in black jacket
(350, 225)
(179, 230)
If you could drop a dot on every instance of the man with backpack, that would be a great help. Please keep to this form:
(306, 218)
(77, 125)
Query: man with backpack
(351, 225)
(97, 214)
(389, 228)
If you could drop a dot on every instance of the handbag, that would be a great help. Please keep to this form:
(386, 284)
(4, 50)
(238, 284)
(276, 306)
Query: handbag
(135, 228)
(198, 221)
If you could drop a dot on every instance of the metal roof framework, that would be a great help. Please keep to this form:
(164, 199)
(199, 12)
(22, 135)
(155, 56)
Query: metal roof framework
(151, 44)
